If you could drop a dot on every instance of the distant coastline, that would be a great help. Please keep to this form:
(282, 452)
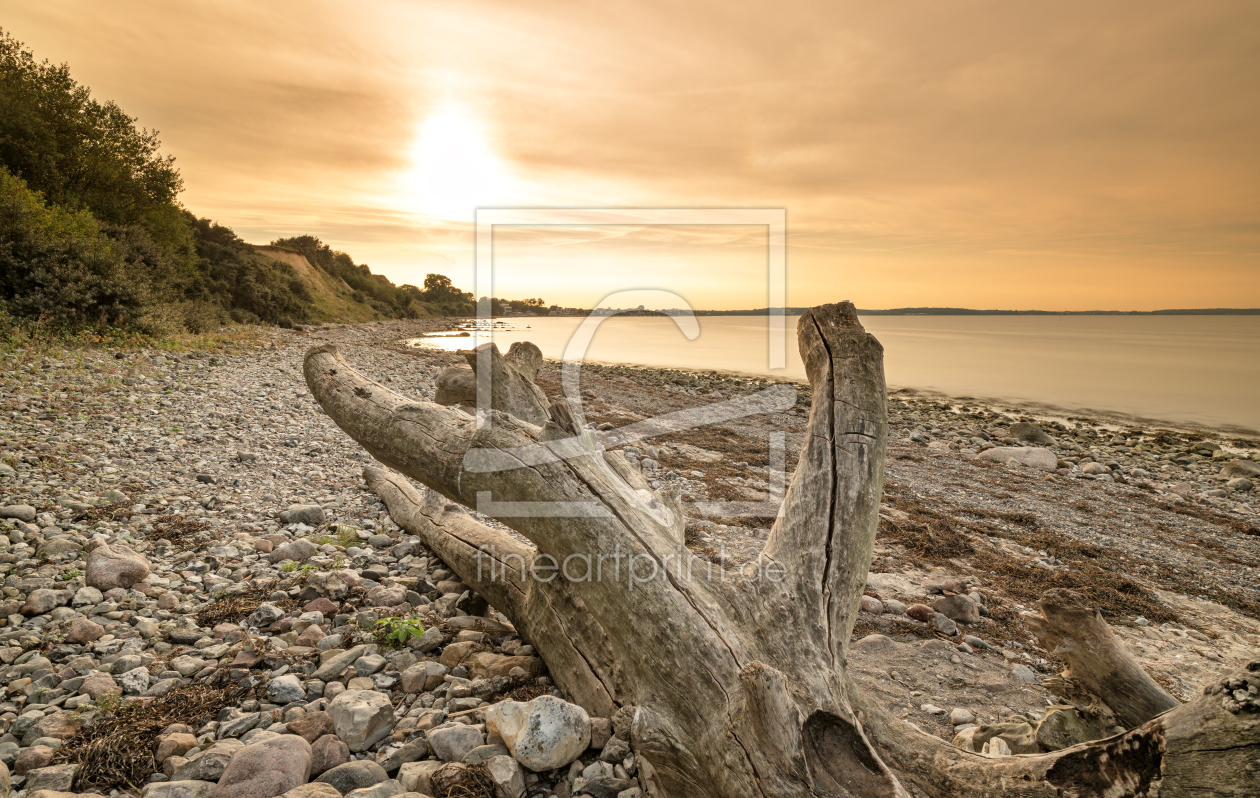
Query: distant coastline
(560, 311)
(970, 312)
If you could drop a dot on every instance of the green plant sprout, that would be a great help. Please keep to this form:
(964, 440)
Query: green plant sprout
(394, 633)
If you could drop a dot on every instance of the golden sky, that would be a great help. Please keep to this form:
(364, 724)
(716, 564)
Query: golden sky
(1051, 155)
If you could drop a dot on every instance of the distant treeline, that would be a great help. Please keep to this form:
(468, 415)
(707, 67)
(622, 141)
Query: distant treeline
(92, 233)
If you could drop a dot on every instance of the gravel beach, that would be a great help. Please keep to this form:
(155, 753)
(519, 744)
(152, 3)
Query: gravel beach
(198, 587)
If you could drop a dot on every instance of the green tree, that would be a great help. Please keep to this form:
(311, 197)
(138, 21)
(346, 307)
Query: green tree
(83, 154)
(436, 285)
(317, 252)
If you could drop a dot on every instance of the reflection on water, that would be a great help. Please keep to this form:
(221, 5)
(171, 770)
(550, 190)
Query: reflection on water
(1197, 369)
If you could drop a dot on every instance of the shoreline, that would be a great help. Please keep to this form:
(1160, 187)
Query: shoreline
(1115, 419)
(248, 507)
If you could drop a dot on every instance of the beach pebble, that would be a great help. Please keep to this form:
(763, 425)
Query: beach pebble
(20, 512)
(1023, 673)
(959, 716)
(1030, 456)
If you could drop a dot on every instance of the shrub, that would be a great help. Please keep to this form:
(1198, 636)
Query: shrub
(61, 265)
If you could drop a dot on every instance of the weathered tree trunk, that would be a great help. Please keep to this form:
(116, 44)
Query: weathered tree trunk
(738, 680)
(1099, 671)
(507, 379)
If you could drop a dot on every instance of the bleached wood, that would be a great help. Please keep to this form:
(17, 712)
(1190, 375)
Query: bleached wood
(1096, 661)
(737, 680)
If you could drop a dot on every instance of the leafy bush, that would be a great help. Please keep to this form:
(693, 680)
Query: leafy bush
(60, 264)
(252, 286)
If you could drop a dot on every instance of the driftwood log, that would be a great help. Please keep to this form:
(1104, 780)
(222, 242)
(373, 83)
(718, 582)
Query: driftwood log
(1099, 671)
(736, 681)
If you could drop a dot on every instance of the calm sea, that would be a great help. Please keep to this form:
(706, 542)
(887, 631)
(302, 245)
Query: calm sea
(1180, 369)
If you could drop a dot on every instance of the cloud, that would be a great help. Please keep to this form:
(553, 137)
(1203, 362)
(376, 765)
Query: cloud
(956, 141)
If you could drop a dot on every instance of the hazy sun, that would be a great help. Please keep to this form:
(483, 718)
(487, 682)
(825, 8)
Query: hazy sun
(454, 168)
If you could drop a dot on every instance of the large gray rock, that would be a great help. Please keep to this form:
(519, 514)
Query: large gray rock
(1030, 433)
(1241, 468)
(452, 743)
(55, 547)
(959, 607)
(309, 514)
(84, 631)
(264, 616)
(327, 753)
(415, 776)
(944, 624)
(386, 596)
(1031, 456)
(354, 775)
(54, 777)
(286, 689)
(423, 676)
(483, 753)
(97, 685)
(337, 663)
(43, 600)
(62, 725)
(296, 550)
(311, 726)
(86, 596)
(266, 769)
(328, 586)
(237, 723)
(178, 789)
(386, 789)
(134, 681)
(173, 744)
(361, 718)
(507, 776)
(109, 567)
(19, 512)
(207, 765)
(313, 790)
(413, 751)
(543, 734)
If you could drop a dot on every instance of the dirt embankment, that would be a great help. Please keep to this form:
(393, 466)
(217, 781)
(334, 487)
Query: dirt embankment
(332, 294)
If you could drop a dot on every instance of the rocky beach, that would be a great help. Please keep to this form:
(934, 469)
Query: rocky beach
(202, 598)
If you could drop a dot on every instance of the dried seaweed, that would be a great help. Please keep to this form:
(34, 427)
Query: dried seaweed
(239, 606)
(1019, 519)
(522, 688)
(927, 533)
(176, 528)
(937, 537)
(458, 780)
(115, 752)
(117, 511)
(1236, 525)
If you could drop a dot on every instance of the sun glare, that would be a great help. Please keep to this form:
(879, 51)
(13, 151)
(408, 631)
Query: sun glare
(454, 168)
